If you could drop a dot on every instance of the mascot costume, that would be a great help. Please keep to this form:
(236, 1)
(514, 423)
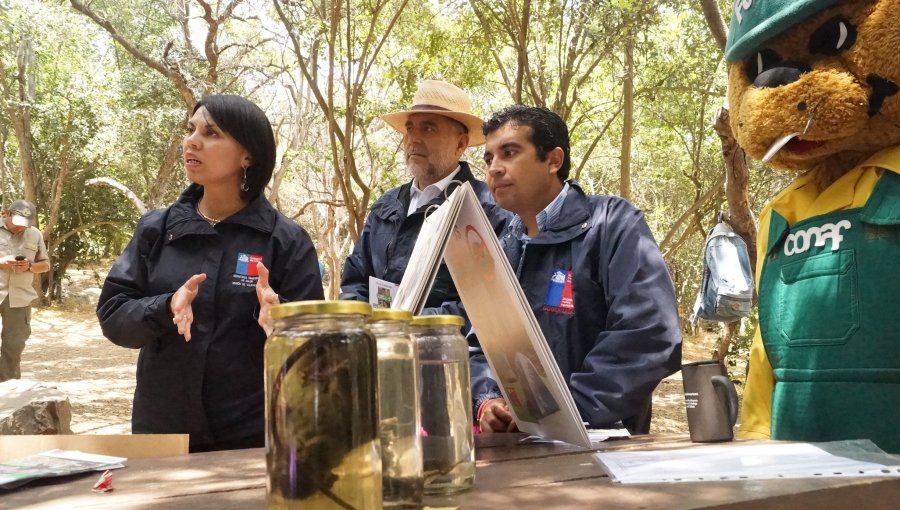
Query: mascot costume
(813, 89)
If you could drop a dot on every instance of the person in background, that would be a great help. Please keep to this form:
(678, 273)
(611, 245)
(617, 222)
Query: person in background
(22, 255)
(591, 271)
(436, 131)
(193, 287)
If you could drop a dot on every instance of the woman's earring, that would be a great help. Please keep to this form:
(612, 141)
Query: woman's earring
(244, 185)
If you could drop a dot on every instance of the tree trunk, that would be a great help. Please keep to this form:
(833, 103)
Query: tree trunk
(740, 217)
(737, 179)
(627, 122)
(715, 22)
(731, 329)
(161, 185)
(19, 111)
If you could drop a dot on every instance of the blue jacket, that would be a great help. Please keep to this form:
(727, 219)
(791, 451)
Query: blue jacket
(388, 237)
(212, 386)
(618, 336)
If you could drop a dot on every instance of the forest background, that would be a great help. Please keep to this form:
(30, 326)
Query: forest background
(94, 97)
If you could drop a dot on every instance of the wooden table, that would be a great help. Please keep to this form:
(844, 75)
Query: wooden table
(509, 476)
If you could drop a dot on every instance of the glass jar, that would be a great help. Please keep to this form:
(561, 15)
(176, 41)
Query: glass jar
(446, 401)
(401, 441)
(322, 448)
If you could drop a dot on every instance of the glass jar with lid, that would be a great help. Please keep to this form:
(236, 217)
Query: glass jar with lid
(401, 442)
(322, 447)
(446, 401)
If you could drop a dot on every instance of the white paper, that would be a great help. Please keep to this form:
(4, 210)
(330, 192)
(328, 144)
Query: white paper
(595, 435)
(425, 259)
(754, 461)
(600, 435)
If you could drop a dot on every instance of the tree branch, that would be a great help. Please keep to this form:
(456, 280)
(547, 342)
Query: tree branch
(174, 76)
(109, 181)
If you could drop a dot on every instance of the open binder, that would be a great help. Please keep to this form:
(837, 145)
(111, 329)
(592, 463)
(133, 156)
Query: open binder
(529, 378)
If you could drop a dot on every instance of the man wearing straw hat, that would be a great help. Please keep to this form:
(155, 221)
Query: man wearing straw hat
(436, 130)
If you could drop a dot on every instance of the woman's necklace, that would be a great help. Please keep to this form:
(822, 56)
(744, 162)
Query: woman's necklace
(212, 222)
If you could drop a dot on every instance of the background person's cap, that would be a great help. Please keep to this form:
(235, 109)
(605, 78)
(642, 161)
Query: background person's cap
(756, 22)
(22, 213)
(440, 98)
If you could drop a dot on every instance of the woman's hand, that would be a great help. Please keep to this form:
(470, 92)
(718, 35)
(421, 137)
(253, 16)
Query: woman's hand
(496, 417)
(180, 305)
(267, 298)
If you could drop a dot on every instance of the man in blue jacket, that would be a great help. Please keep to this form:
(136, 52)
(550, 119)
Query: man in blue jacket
(591, 271)
(436, 131)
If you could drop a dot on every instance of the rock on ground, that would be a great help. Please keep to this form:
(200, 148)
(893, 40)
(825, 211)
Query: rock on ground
(28, 407)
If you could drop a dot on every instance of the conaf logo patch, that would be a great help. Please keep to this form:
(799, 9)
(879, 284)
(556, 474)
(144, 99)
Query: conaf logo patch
(802, 240)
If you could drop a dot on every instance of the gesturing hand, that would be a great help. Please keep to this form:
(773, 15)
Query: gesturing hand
(180, 305)
(267, 298)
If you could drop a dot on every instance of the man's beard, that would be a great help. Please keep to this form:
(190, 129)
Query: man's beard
(434, 168)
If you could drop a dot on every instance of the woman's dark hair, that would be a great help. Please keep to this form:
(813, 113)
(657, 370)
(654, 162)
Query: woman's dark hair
(247, 124)
(548, 131)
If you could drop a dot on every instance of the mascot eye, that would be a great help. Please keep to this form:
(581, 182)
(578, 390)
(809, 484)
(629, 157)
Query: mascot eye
(833, 37)
(760, 62)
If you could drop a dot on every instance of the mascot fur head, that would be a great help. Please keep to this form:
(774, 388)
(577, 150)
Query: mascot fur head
(820, 75)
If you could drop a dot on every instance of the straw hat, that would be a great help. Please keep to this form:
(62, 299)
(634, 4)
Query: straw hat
(441, 98)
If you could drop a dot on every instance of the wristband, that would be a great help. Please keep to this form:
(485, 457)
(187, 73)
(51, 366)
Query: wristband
(480, 410)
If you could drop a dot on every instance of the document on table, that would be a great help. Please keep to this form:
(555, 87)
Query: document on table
(595, 435)
(54, 463)
(750, 461)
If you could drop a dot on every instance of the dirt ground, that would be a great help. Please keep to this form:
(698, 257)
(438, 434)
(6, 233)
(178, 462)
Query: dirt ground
(67, 350)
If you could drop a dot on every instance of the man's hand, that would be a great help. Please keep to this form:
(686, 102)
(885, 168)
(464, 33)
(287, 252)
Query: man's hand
(267, 298)
(496, 417)
(9, 262)
(180, 305)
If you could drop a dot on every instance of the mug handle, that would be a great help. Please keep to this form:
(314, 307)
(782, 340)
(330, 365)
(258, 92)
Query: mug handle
(722, 383)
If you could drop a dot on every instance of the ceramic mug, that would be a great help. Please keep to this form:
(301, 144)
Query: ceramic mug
(711, 401)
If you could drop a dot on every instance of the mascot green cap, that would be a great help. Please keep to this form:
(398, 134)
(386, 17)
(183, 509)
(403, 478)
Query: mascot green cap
(753, 22)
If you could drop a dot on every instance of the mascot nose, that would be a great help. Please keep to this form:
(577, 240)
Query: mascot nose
(781, 75)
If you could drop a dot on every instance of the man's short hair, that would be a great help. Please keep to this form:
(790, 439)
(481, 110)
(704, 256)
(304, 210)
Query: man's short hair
(548, 131)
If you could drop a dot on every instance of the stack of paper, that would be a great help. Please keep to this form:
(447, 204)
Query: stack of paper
(54, 463)
(736, 461)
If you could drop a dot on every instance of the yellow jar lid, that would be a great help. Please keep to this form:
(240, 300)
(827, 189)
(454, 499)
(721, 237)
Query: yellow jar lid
(320, 307)
(389, 314)
(438, 320)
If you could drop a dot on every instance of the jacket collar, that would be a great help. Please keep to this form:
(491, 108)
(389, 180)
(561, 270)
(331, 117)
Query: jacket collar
(393, 204)
(573, 219)
(183, 219)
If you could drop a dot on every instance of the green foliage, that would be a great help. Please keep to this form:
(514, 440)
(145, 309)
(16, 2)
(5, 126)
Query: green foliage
(97, 111)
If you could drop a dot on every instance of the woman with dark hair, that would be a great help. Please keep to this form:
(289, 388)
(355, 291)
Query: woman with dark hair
(189, 288)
